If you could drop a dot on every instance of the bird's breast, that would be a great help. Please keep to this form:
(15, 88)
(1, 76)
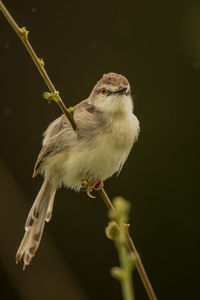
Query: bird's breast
(112, 146)
(104, 154)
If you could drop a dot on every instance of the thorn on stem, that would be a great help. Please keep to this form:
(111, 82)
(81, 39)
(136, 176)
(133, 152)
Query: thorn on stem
(41, 61)
(24, 33)
(51, 96)
(71, 113)
(71, 109)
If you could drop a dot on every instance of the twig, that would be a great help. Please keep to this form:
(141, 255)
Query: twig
(106, 199)
(54, 95)
(139, 264)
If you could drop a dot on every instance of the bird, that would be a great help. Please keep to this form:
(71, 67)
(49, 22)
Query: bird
(106, 129)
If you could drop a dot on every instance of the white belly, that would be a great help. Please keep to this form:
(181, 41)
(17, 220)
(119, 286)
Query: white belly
(106, 158)
(98, 160)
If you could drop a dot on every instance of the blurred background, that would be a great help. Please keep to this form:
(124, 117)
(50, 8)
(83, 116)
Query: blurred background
(156, 45)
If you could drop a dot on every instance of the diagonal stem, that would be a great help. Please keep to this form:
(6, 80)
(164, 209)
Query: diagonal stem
(132, 248)
(23, 35)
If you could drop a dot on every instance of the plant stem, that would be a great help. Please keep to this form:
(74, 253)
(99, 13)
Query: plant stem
(126, 283)
(141, 269)
(127, 287)
(139, 264)
(106, 199)
(23, 35)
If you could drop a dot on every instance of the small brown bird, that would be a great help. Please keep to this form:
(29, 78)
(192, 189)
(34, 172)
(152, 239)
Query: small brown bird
(106, 131)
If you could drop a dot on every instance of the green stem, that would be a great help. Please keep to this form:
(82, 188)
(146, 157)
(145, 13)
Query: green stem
(139, 264)
(126, 283)
(23, 35)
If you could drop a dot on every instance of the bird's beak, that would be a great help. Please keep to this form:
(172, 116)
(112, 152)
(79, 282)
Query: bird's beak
(120, 90)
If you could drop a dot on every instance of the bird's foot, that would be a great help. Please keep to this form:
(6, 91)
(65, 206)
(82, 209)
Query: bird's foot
(90, 186)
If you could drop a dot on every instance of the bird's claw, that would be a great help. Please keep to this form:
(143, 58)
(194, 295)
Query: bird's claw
(88, 187)
(89, 193)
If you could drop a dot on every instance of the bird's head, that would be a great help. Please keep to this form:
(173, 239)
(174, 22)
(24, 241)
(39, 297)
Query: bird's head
(112, 94)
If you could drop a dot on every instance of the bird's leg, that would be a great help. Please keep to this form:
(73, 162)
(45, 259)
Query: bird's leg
(89, 186)
(99, 185)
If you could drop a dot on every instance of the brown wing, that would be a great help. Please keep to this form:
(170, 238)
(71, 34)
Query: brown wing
(53, 130)
(83, 120)
(43, 153)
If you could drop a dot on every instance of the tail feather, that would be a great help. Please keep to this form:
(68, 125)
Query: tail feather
(40, 212)
(50, 207)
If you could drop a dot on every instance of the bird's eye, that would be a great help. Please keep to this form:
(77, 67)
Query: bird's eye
(103, 91)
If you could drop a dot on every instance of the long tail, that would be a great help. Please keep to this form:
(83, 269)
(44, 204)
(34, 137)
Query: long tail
(40, 212)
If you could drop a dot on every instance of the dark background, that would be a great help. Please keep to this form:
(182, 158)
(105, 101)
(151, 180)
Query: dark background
(156, 45)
